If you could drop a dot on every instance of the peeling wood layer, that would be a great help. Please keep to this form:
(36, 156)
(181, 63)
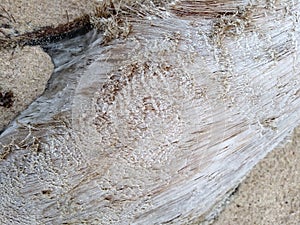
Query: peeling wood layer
(159, 125)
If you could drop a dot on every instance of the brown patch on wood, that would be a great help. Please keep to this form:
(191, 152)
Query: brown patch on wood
(46, 35)
(111, 19)
(46, 192)
(205, 8)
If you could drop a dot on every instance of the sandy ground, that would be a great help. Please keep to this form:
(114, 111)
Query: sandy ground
(269, 195)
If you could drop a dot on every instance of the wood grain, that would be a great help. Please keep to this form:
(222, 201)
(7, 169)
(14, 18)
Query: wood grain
(158, 126)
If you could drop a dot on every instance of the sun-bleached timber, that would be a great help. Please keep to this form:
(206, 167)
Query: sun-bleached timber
(155, 116)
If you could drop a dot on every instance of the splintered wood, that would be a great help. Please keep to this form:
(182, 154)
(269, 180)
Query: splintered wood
(158, 126)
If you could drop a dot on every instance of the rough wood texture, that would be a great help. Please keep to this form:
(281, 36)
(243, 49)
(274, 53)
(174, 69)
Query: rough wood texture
(159, 124)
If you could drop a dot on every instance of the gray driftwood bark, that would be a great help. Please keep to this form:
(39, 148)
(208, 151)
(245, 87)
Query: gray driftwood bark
(157, 127)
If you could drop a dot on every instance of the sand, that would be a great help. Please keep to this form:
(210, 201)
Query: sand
(270, 194)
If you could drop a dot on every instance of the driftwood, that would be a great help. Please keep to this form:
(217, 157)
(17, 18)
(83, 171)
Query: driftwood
(156, 118)
(48, 35)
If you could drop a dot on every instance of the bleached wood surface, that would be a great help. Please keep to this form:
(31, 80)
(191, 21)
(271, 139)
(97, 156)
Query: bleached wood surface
(157, 127)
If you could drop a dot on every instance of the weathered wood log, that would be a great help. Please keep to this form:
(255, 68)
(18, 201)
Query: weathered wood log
(156, 120)
(47, 35)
